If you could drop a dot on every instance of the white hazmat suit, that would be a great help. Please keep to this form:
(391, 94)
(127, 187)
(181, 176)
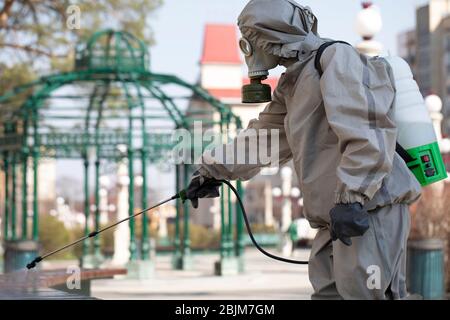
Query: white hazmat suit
(339, 131)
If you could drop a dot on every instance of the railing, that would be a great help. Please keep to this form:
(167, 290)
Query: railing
(11, 142)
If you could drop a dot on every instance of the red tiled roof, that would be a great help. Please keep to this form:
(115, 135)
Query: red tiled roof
(236, 93)
(220, 44)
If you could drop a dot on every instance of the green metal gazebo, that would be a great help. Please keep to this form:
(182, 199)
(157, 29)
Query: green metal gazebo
(110, 99)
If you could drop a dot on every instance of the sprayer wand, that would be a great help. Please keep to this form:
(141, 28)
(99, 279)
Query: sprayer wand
(180, 195)
(36, 260)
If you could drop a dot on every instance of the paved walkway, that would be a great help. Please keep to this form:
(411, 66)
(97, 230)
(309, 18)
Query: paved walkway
(264, 279)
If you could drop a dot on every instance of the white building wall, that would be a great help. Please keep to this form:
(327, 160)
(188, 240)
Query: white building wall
(221, 76)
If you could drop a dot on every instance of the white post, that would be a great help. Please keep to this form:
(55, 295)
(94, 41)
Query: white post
(268, 208)
(103, 206)
(286, 210)
(162, 231)
(122, 232)
(214, 210)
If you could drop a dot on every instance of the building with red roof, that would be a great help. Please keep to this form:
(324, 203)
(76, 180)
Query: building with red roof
(222, 74)
(222, 69)
(220, 45)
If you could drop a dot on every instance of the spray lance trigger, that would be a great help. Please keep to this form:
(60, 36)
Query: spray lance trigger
(182, 195)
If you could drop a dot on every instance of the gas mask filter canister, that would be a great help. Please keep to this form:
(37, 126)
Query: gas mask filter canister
(258, 63)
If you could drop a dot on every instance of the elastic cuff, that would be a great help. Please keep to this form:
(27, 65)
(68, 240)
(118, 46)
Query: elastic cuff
(350, 197)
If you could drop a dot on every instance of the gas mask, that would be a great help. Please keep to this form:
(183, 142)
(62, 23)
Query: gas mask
(259, 63)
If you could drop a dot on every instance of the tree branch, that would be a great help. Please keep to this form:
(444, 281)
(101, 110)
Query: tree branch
(4, 14)
(31, 49)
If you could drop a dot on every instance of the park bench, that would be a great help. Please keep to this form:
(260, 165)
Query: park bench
(51, 284)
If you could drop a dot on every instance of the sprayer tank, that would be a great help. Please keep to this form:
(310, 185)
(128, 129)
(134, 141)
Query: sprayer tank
(415, 129)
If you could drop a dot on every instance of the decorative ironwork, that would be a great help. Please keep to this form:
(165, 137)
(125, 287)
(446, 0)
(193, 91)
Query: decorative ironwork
(112, 70)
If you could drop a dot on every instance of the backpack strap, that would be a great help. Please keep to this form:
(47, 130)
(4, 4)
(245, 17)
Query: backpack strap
(321, 50)
(403, 153)
(398, 148)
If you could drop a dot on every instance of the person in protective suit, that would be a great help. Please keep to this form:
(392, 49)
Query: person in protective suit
(339, 131)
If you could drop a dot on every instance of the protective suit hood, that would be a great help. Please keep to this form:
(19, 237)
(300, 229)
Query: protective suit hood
(280, 27)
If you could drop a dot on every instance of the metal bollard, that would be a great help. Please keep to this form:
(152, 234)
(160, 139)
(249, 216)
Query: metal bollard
(426, 268)
(18, 253)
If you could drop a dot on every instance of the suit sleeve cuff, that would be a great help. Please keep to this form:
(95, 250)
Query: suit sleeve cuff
(350, 197)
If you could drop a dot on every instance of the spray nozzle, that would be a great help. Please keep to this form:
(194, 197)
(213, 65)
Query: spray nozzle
(33, 263)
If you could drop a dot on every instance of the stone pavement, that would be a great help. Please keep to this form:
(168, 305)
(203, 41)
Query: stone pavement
(264, 279)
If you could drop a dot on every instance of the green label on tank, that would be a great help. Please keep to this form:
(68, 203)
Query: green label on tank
(428, 165)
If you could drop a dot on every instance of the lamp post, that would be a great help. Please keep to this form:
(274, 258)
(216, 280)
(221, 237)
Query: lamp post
(434, 105)
(368, 24)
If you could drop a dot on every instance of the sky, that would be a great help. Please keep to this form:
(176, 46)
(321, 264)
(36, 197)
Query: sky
(179, 24)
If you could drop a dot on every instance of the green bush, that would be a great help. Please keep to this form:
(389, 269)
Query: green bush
(52, 235)
(262, 228)
(201, 237)
(107, 241)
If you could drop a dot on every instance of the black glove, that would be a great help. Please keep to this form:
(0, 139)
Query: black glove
(348, 220)
(202, 187)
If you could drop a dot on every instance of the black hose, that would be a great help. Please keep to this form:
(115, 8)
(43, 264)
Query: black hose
(250, 233)
(182, 195)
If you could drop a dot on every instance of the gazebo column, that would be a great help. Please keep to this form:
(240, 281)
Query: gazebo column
(24, 194)
(230, 225)
(87, 242)
(146, 244)
(98, 257)
(18, 248)
(136, 267)
(35, 195)
(133, 253)
(183, 252)
(186, 258)
(6, 205)
(146, 266)
(227, 265)
(176, 242)
(35, 156)
(223, 237)
(94, 258)
(25, 153)
(14, 197)
(240, 245)
(145, 248)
